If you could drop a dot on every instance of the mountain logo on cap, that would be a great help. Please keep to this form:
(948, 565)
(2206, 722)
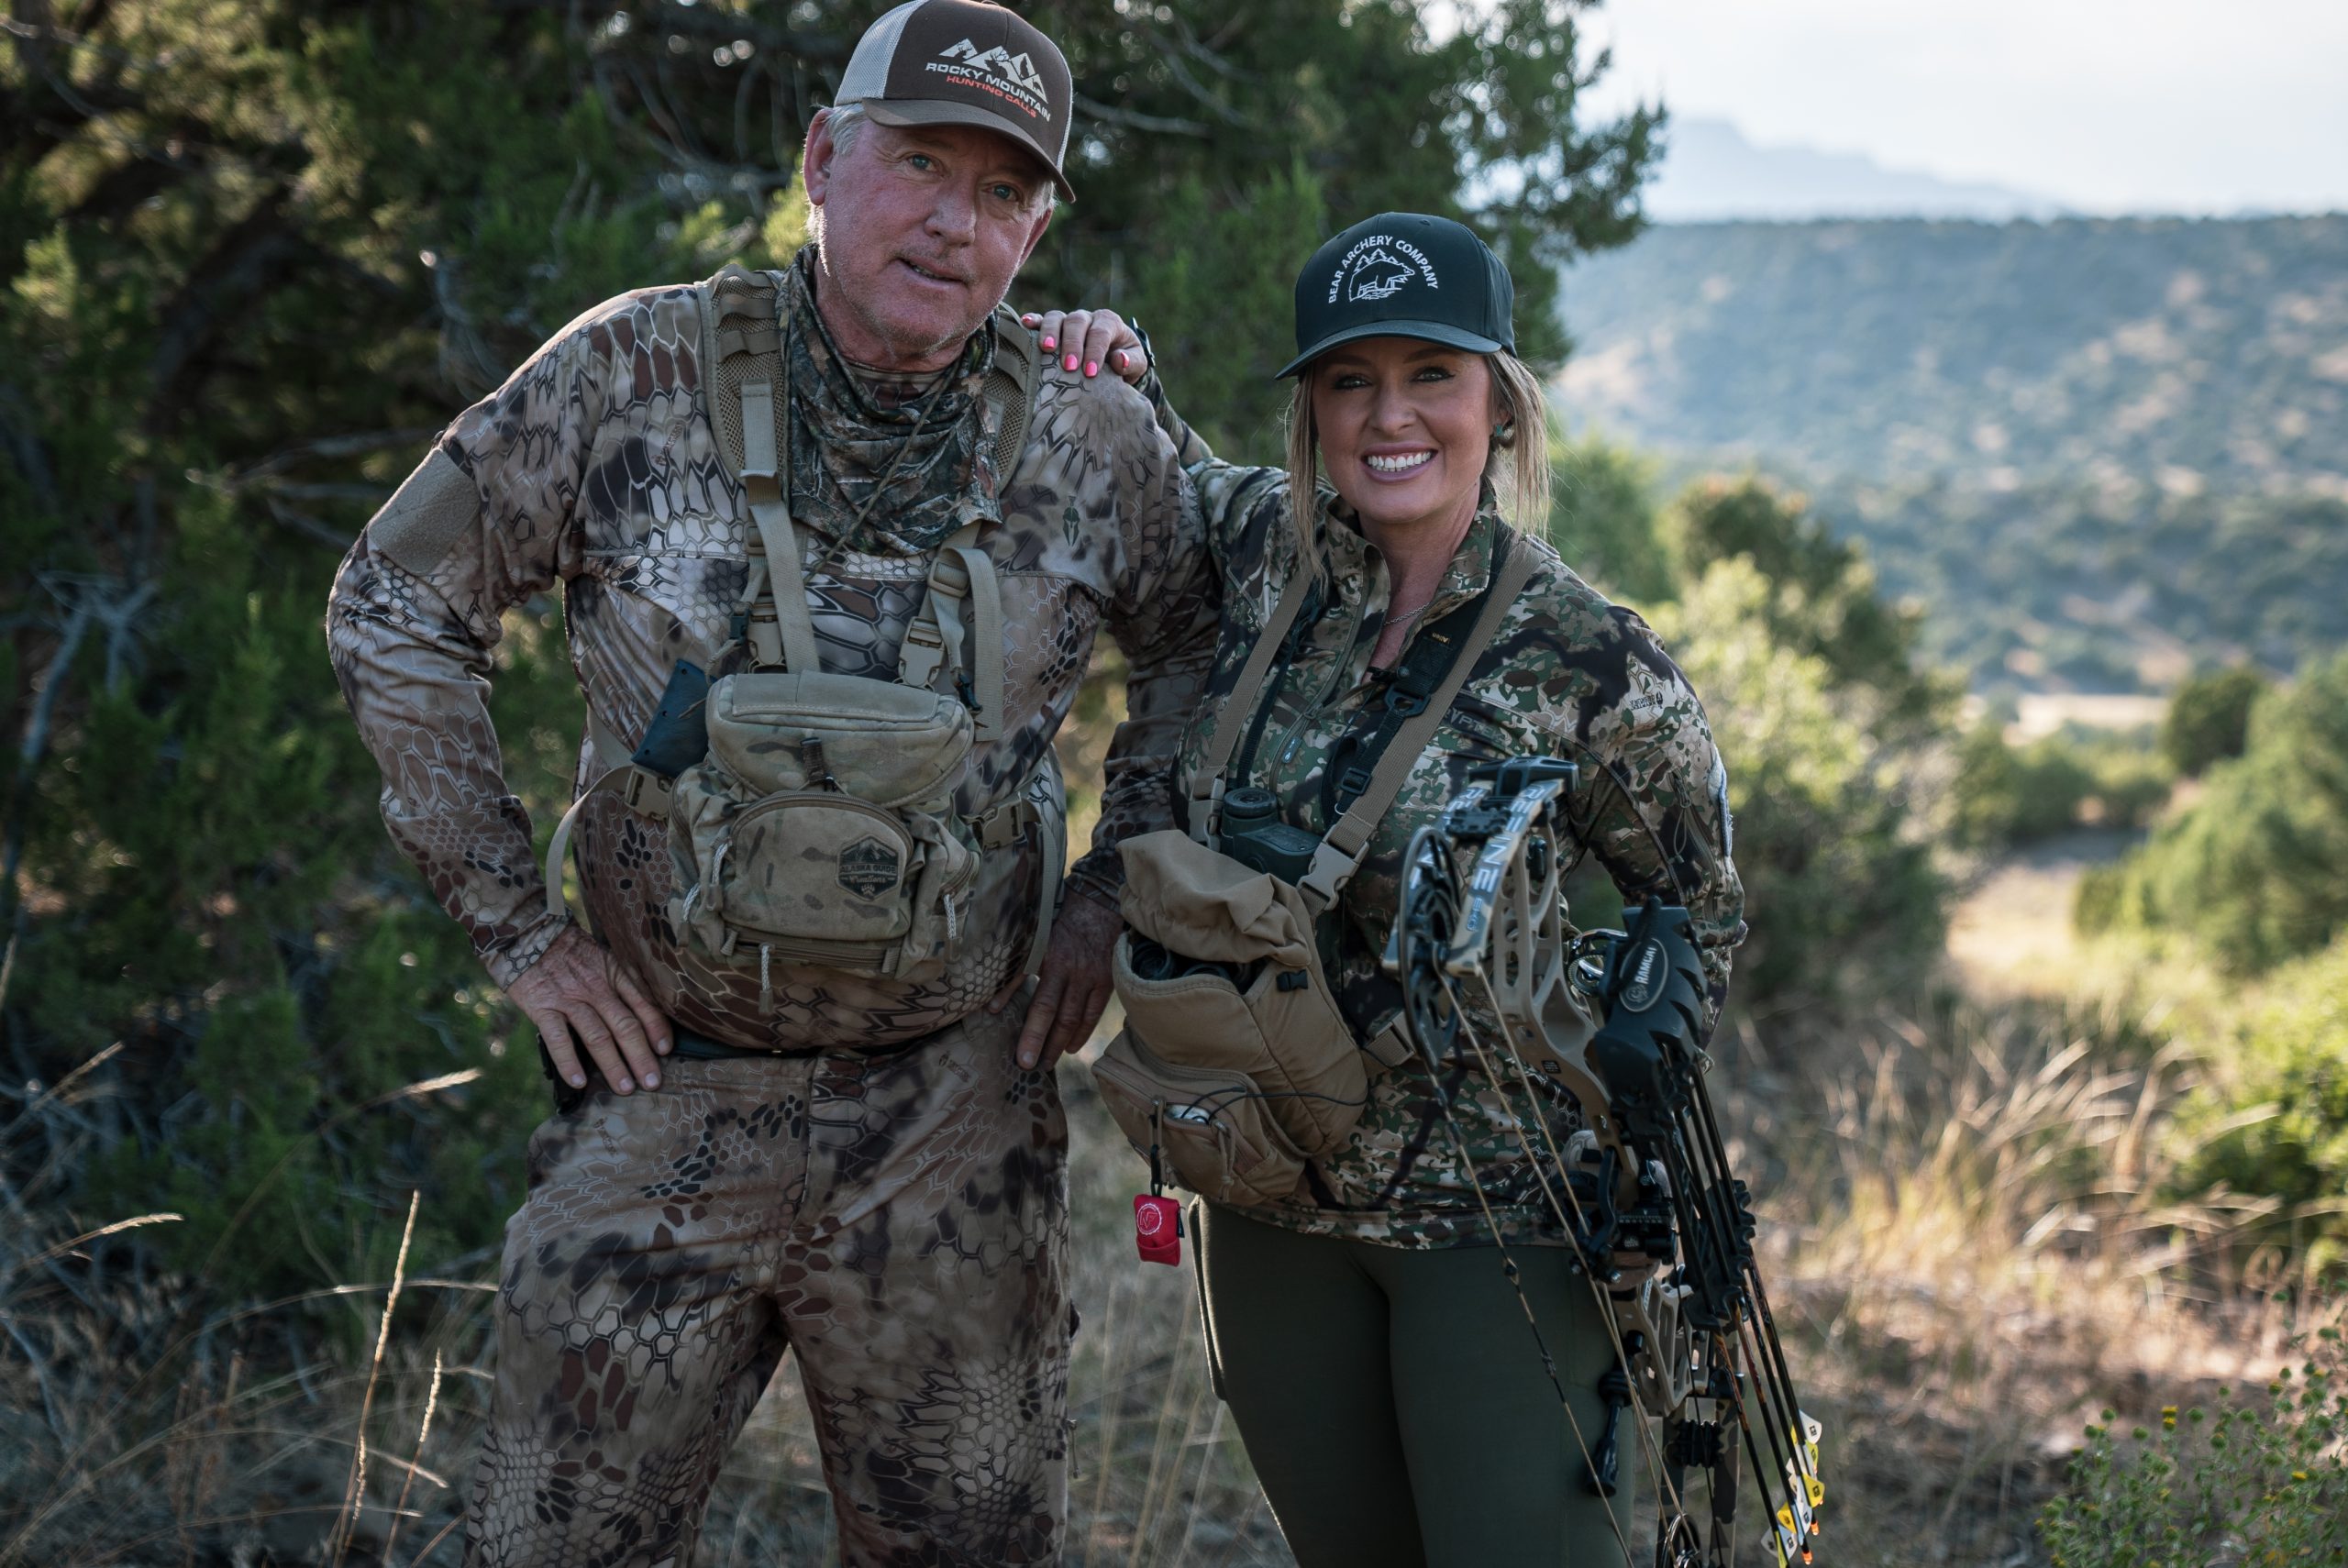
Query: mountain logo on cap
(1017, 72)
(1373, 269)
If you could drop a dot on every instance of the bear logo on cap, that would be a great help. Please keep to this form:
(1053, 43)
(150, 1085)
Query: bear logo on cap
(1377, 276)
(1377, 268)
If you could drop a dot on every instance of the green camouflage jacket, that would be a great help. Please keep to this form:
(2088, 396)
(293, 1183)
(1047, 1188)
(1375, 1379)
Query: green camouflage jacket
(595, 466)
(1568, 676)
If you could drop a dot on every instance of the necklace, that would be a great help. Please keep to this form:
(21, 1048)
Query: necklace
(1408, 614)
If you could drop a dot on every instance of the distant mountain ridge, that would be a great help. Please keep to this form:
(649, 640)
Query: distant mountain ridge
(1712, 172)
(2100, 450)
(2190, 352)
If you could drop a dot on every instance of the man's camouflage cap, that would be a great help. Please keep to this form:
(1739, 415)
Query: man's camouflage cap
(1403, 275)
(963, 62)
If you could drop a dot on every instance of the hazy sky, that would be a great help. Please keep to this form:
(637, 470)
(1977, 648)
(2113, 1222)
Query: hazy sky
(2109, 105)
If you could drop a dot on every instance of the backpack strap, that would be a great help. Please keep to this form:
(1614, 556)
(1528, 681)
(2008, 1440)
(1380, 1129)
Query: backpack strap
(1010, 387)
(962, 575)
(742, 354)
(939, 642)
(1340, 855)
(776, 618)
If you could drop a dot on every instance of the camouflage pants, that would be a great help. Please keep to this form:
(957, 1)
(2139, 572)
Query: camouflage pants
(898, 1219)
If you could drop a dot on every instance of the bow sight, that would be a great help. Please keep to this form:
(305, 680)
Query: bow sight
(1644, 1191)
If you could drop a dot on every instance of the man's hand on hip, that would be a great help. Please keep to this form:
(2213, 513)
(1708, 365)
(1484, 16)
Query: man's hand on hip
(1074, 985)
(578, 986)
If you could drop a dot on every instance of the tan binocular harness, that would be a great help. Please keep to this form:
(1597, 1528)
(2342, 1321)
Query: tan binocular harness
(1339, 856)
(1240, 1068)
(819, 827)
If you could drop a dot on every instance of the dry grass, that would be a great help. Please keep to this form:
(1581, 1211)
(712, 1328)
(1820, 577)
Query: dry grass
(1969, 1257)
(133, 1435)
(1987, 1262)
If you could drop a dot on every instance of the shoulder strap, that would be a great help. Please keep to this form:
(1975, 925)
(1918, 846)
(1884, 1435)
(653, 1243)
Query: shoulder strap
(742, 345)
(1010, 387)
(1339, 856)
(1410, 692)
(1204, 786)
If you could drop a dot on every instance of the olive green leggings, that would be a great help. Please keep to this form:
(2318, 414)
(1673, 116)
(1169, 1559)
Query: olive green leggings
(1394, 1405)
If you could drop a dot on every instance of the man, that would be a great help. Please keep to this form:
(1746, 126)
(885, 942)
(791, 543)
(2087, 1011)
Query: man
(869, 1172)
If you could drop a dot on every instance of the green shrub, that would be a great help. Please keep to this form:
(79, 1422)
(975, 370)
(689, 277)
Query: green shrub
(2257, 871)
(2209, 719)
(1602, 519)
(1840, 889)
(2007, 795)
(1823, 598)
(2256, 1483)
(2274, 1123)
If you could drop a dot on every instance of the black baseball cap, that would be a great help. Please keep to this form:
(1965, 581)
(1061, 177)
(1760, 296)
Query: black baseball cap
(964, 62)
(1403, 275)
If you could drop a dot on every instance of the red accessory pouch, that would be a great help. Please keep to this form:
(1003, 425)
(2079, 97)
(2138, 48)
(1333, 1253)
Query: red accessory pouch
(1157, 1229)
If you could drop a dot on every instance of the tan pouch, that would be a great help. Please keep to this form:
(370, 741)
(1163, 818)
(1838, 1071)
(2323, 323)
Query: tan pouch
(1209, 1125)
(816, 830)
(892, 745)
(1280, 1048)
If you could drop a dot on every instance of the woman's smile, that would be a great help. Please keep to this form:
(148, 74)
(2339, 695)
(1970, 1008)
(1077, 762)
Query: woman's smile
(1405, 464)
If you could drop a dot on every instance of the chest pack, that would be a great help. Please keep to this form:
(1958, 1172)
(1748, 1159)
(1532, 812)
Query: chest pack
(1237, 1066)
(812, 815)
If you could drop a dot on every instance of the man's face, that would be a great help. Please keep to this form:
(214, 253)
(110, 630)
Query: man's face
(923, 227)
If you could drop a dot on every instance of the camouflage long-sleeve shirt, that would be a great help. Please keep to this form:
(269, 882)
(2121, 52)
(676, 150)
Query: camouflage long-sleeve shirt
(1568, 676)
(596, 466)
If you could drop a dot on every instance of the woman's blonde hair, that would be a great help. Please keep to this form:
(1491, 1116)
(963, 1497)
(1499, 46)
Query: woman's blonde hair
(1518, 465)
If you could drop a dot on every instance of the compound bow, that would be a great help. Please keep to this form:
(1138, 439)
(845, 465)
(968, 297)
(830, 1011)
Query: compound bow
(1643, 1190)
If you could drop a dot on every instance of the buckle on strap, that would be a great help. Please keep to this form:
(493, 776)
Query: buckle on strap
(1000, 827)
(923, 653)
(647, 791)
(1204, 791)
(1331, 869)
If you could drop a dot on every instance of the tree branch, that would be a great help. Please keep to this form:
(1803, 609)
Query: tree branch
(219, 288)
(1132, 120)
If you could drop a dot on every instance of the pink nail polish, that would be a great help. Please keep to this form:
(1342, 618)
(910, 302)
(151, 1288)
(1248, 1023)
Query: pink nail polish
(1092, 367)
(624, 1085)
(651, 1081)
(1050, 344)
(578, 1080)
(1071, 363)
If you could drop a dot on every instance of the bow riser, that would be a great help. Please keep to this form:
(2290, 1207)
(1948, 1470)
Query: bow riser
(1644, 1189)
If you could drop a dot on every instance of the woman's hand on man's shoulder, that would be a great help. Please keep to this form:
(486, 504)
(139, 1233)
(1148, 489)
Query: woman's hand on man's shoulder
(1086, 342)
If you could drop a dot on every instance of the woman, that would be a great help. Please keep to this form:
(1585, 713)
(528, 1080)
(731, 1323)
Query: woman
(1373, 1353)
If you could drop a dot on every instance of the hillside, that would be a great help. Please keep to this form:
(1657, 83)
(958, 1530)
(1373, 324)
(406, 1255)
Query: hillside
(2100, 449)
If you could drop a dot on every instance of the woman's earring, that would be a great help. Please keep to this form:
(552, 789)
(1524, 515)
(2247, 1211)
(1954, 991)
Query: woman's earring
(1504, 432)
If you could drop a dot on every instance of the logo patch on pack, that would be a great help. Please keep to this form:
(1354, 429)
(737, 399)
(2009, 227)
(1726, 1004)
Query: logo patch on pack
(1378, 266)
(869, 868)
